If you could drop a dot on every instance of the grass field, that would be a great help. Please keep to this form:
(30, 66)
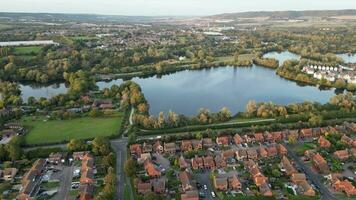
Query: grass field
(27, 50)
(42, 131)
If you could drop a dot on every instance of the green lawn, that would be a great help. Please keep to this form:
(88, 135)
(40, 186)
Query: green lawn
(42, 131)
(27, 50)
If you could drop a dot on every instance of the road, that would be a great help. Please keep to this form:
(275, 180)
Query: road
(315, 178)
(203, 179)
(120, 148)
(66, 181)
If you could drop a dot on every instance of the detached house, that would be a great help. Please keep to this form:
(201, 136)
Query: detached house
(259, 137)
(151, 169)
(252, 154)
(197, 163)
(305, 133)
(263, 152)
(342, 154)
(287, 166)
(170, 148)
(282, 150)
(186, 145)
(207, 143)
(190, 195)
(323, 142)
(238, 139)
(320, 163)
(144, 188)
(186, 179)
(209, 162)
(272, 151)
(222, 140)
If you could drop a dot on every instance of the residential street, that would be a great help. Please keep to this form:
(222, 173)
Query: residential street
(119, 146)
(315, 178)
(66, 180)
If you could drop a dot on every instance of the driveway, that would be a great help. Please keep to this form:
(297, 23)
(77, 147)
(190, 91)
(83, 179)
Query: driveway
(203, 179)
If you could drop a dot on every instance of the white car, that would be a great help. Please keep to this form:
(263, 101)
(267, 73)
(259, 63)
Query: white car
(213, 194)
(205, 187)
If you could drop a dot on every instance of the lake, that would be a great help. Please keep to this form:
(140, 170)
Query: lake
(187, 91)
(348, 58)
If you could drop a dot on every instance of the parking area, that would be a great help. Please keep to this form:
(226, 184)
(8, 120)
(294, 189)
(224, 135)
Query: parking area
(204, 185)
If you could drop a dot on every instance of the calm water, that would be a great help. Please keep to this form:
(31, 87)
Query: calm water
(187, 91)
(282, 56)
(348, 58)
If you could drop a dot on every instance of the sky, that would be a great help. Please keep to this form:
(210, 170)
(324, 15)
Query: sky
(168, 7)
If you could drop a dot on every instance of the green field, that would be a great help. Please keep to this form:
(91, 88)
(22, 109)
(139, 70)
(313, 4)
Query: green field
(27, 50)
(42, 131)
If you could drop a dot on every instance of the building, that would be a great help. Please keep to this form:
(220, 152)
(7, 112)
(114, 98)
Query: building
(144, 188)
(342, 154)
(265, 190)
(320, 163)
(103, 104)
(151, 169)
(305, 133)
(207, 143)
(241, 154)
(344, 186)
(222, 140)
(55, 158)
(220, 162)
(287, 167)
(190, 195)
(208, 162)
(263, 152)
(9, 174)
(297, 178)
(31, 179)
(186, 179)
(272, 151)
(136, 149)
(220, 183)
(306, 189)
(282, 149)
(197, 145)
(252, 154)
(159, 185)
(197, 163)
(86, 192)
(183, 164)
(170, 148)
(259, 137)
(157, 147)
(238, 139)
(323, 142)
(186, 145)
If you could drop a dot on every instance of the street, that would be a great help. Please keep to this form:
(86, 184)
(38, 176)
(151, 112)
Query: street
(66, 181)
(203, 179)
(120, 148)
(315, 178)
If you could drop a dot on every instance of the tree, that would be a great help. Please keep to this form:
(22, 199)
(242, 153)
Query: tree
(251, 107)
(13, 148)
(101, 146)
(315, 120)
(76, 145)
(130, 167)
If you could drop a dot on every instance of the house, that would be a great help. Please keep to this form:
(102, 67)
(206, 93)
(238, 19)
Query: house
(186, 145)
(55, 158)
(136, 149)
(157, 147)
(159, 185)
(305, 133)
(323, 142)
(353, 152)
(170, 148)
(228, 154)
(307, 190)
(297, 178)
(151, 169)
(79, 155)
(269, 137)
(183, 164)
(277, 136)
(320, 163)
(263, 152)
(259, 137)
(87, 172)
(190, 195)
(102, 104)
(222, 140)
(346, 139)
(9, 174)
(197, 144)
(144, 157)
(30, 180)
(144, 188)
(344, 186)
(234, 182)
(287, 166)
(342, 154)
(265, 190)
(86, 192)
(208, 162)
(146, 148)
(272, 151)
(260, 180)
(197, 163)
(207, 143)
(252, 154)
(220, 162)
(186, 179)
(282, 149)
(220, 183)
(241, 154)
(238, 139)
(255, 171)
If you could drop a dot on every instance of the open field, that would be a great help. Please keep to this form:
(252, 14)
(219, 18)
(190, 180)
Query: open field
(42, 131)
(27, 50)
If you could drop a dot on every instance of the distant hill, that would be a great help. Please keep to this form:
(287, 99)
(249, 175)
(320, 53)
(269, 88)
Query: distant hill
(287, 14)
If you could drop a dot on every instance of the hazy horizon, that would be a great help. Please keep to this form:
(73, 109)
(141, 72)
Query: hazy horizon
(168, 7)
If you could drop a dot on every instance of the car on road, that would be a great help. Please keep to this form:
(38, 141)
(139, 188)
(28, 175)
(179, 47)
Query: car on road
(205, 187)
(213, 194)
